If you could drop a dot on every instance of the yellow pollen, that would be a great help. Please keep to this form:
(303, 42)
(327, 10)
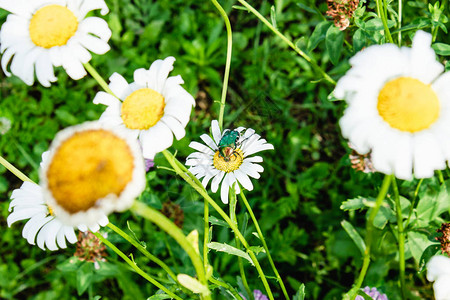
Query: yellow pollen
(233, 163)
(142, 109)
(52, 25)
(89, 166)
(408, 104)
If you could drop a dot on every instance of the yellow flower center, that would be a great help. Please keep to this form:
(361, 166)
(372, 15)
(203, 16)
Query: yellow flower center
(52, 25)
(230, 163)
(89, 166)
(142, 109)
(408, 104)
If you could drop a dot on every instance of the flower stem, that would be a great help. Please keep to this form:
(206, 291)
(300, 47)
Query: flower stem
(413, 203)
(228, 61)
(169, 227)
(261, 237)
(440, 176)
(196, 184)
(206, 235)
(98, 78)
(288, 41)
(14, 170)
(383, 17)
(400, 13)
(134, 266)
(401, 237)
(143, 250)
(238, 245)
(369, 235)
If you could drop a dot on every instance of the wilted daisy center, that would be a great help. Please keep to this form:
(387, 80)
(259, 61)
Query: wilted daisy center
(230, 163)
(89, 166)
(52, 25)
(408, 104)
(142, 109)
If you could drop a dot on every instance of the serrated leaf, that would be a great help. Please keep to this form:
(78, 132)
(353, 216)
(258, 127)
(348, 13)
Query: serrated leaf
(193, 284)
(222, 247)
(354, 235)
(257, 249)
(300, 295)
(318, 34)
(334, 41)
(215, 221)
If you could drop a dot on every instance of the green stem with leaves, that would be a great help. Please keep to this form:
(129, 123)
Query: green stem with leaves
(369, 235)
(413, 203)
(206, 235)
(226, 286)
(147, 254)
(228, 61)
(305, 56)
(14, 170)
(134, 266)
(169, 227)
(196, 184)
(401, 237)
(266, 248)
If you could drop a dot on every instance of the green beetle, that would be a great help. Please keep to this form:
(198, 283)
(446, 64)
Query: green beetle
(228, 143)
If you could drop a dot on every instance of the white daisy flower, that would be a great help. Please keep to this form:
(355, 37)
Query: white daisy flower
(90, 172)
(398, 108)
(40, 34)
(438, 270)
(226, 158)
(42, 226)
(153, 108)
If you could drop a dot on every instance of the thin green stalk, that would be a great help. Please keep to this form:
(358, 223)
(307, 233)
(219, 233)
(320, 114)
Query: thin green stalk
(143, 250)
(400, 13)
(134, 266)
(261, 237)
(289, 42)
(369, 235)
(196, 184)
(383, 17)
(25, 154)
(233, 218)
(401, 238)
(440, 176)
(226, 286)
(228, 61)
(14, 170)
(206, 235)
(98, 78)
(169, 227)
(413, 203)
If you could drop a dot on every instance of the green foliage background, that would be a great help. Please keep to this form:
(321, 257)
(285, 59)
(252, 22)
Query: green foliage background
(274, 91)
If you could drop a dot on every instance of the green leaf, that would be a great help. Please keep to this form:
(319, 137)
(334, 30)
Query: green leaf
(257, 249)
(159, 297)
(418, 242)
(300, 295)
(364, 295)
(376, 24)
(356, 203)
(84, 277)
(230, 250)
(433, 203)
(307, 8)
(384, 215)
(354, 235)
(318, 34)
(214, 221)
(359, 40)
(273, 16)
(441, 49)
(192, 284)
(334, 41)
